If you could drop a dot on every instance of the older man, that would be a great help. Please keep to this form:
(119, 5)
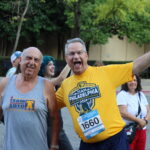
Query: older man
(26, 99)
(90, 95)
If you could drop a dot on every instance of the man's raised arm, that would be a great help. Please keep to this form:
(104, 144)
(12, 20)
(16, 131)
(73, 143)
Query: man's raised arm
(141, 63)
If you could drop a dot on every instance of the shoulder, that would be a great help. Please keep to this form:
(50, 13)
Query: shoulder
(119, 66)
(142, 95)
(3, 83)
(48, 84)
(68, 79)
(122, 98)
(11, 71)
(122, 95)
(122, 92)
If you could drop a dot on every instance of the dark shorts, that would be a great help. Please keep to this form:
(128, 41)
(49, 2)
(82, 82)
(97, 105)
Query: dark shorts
(116, 142)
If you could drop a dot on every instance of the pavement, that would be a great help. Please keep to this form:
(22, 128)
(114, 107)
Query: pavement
(68, 126)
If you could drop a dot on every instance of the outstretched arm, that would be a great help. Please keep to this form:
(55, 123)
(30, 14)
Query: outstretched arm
(58, 80)
(53, 114)
(141, 63)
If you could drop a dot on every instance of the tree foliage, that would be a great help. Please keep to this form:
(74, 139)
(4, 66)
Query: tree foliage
(125, 18)
(92, 20)
(42, 18)
(101, 19)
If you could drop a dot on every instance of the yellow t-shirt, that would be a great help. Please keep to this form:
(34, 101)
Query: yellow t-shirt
(96, 90)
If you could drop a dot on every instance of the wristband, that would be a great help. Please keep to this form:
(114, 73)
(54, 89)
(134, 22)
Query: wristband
(55, 146)
(146, 121)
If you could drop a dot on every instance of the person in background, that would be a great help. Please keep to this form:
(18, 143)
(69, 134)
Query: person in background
(27, 101)
(90, 96)
(47, 70)
(129, 100)
(15, 60)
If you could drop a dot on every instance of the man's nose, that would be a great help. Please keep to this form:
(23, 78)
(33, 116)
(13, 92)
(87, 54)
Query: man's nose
(76, 55)
(32, 61)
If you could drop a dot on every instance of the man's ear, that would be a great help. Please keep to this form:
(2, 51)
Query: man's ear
(87, 55)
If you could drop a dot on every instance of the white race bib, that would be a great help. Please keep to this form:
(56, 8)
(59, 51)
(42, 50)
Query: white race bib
(91, 124)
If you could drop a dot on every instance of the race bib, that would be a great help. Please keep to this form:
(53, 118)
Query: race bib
(91, 124)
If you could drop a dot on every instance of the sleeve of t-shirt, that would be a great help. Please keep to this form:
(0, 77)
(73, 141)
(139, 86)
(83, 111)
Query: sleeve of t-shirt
(121, 98)
(119, 74)
(144, 99)
(60, 97)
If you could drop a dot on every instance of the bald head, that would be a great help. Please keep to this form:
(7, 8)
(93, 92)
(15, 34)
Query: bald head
(31, 60)
(32, 50)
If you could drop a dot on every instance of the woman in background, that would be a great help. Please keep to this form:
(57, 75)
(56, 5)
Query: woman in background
(130, 100)
(47, 70)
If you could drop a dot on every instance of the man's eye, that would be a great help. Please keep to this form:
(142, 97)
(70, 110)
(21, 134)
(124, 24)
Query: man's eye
(71, 54)
(28, 58)
(36, 60)
(79, 53)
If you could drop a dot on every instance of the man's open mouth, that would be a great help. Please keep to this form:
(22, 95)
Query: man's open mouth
(77, 63)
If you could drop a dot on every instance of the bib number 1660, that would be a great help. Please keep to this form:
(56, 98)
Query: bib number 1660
(90, 123)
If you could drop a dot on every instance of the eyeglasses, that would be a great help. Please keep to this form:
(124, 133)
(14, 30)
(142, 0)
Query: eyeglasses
(73, 53)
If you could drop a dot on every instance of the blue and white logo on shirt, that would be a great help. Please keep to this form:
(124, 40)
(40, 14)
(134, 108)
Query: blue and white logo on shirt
(83, 96)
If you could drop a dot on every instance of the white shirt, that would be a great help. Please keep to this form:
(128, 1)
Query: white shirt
(132, 103)
(11, 72)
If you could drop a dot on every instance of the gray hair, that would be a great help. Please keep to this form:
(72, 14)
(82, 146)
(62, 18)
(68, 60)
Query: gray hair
(35, 48)
(74, 40)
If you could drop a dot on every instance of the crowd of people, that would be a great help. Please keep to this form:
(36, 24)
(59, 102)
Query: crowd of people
(31, 99)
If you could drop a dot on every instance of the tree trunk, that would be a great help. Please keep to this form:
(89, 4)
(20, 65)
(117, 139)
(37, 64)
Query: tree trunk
(87, 46)
(20, 25)
(77, 14)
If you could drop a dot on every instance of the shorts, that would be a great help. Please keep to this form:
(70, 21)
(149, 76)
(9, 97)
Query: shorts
(116, 142)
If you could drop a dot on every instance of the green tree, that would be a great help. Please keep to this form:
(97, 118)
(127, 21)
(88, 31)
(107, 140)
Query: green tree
(97, 20)
(9, 15)
(43, 18)
(80, 19)
(125, 18)
(92, 20)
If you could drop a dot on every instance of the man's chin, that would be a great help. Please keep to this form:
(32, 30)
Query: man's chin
(77, 72)
(29, 74)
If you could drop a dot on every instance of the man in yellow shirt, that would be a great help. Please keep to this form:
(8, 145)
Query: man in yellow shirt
(90, 95)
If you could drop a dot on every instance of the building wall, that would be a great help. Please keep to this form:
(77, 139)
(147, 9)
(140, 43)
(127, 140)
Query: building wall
(146, 47)
(117, 50)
